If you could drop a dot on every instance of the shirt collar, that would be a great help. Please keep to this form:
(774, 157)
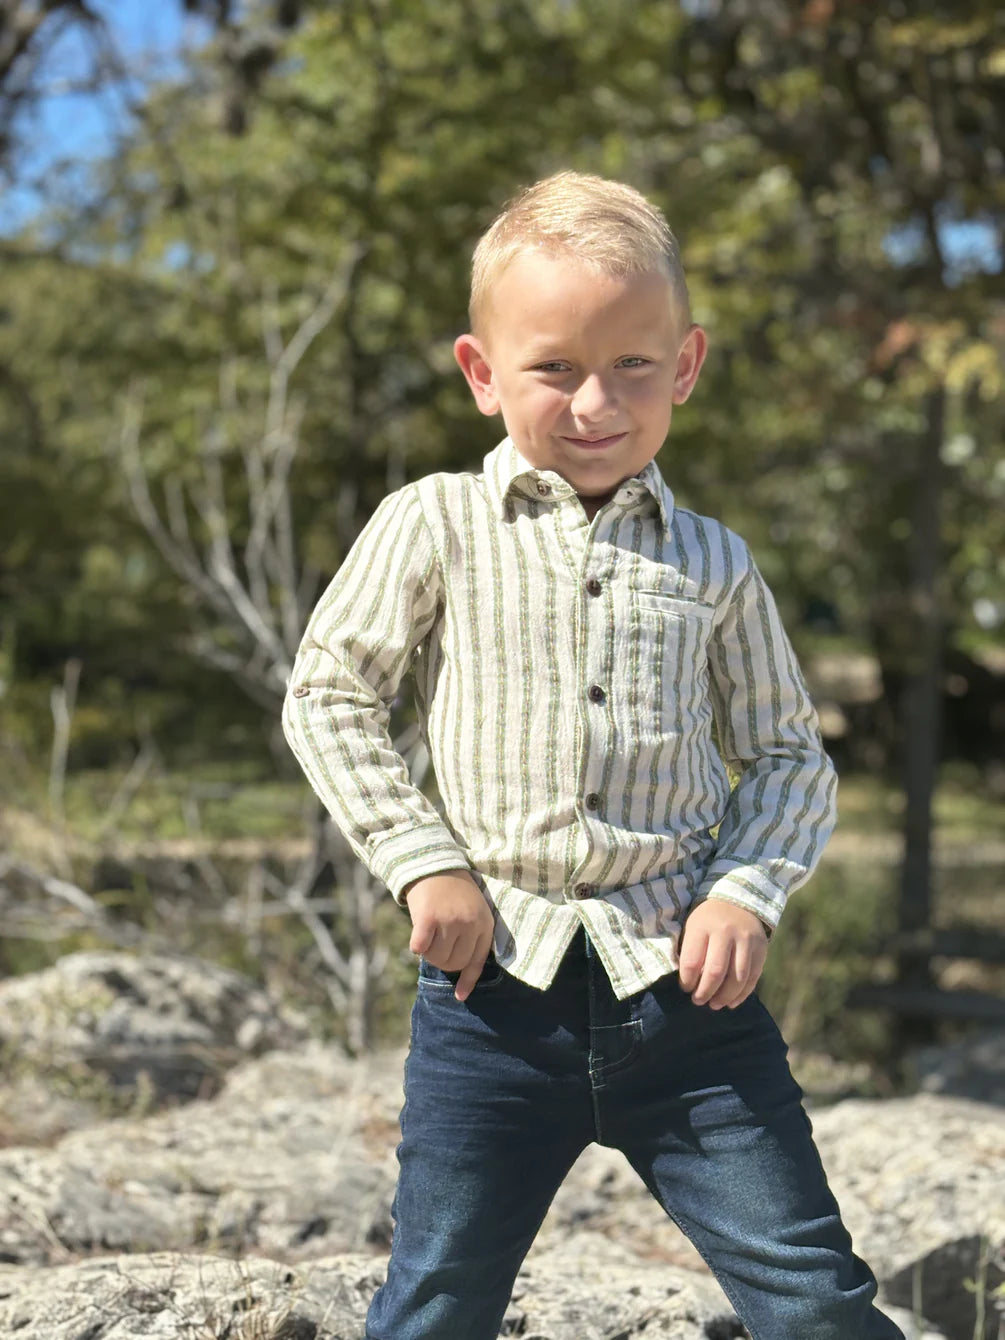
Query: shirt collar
(507, 471)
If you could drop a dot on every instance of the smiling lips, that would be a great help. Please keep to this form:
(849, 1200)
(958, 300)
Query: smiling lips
(596, 443)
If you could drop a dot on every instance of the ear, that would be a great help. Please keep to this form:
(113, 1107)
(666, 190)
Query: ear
(472, 358)
(689, 361)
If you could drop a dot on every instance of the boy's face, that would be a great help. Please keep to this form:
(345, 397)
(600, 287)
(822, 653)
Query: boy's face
(585, 368)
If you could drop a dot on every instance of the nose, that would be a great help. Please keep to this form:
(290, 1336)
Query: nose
(593, 400)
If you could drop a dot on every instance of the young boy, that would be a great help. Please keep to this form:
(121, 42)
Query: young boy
(592, 899)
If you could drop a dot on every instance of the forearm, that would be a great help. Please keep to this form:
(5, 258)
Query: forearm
(341, 741)
(777, 822)
(783, 806)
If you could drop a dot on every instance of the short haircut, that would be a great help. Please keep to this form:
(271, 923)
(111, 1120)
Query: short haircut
(605, 223)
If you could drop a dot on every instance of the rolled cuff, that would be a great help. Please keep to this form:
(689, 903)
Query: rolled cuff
(748, 886)
(399, 859)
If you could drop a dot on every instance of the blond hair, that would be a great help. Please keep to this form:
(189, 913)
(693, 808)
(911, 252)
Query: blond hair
(605, 223)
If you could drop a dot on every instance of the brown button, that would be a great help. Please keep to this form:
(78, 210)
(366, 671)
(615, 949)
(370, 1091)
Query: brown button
(593, 801)
(301, 691)
(596, 693)
(543, 488)
(583, 891)
(594, 587)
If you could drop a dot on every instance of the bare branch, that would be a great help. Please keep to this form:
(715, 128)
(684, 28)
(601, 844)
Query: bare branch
(260, 597)
(127, 789)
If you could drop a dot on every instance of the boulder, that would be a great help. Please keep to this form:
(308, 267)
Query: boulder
(168, 1295)
(293, 1160)
(294, 1157)
(163, 1295)
(973, 1067)
(921, 1185)
(164, 1025)
(559, 1295)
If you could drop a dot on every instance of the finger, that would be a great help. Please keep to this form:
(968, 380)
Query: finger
(715, 972)
(423, 935)
(741, 962)
(469, 975)
(738, 987)
(692, 957)
(724, 1000)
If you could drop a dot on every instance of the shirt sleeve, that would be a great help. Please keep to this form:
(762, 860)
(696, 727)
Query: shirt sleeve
(782, 808)
(359, 642)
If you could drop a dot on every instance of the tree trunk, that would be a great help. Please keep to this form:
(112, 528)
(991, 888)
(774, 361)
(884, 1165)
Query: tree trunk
(921, 712)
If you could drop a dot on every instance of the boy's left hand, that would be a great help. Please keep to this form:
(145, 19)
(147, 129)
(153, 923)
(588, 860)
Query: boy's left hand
(722, 953)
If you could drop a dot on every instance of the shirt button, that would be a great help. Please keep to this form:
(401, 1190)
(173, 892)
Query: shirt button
(301, 691)
(593, 801)
(542, 488)
(583, 891)
(596, 693)
(594, 587)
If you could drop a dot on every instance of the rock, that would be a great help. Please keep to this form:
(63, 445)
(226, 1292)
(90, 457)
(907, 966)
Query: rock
(604, 1195)
(167, 1295)
(973, 1068)
(560, 1294)
(921, 1185)
(559, 1297)
(913, 1328)
(34, 1111)
(106, 1020)
(293, 1158)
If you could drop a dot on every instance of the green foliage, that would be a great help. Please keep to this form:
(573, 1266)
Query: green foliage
(808, 166)
(399, 129)
(827, 940)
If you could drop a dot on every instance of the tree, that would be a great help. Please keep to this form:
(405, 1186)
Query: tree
(810, 156)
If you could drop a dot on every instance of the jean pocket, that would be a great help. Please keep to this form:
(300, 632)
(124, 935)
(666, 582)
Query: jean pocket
(435, 978)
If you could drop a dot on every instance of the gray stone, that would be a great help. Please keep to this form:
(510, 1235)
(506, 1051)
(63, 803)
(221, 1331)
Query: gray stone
(96, 1022)
(292, 1158)
(558, 1297)
(170, 1296)
(972, 1068)
(293, 1162)
(921, 1185)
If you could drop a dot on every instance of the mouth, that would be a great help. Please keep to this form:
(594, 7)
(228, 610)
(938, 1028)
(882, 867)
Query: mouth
(595, 443)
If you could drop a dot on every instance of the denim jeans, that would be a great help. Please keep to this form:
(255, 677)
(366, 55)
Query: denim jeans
(503, 1093)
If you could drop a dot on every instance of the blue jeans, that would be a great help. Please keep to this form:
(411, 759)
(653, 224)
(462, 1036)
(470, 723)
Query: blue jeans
(503, 1093)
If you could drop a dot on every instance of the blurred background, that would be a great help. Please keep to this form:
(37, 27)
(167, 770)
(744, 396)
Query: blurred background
(234, 247)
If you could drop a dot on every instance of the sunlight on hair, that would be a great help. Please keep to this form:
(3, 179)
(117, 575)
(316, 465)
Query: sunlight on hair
(603, 223)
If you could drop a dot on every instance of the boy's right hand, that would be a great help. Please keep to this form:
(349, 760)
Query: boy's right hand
(452, 925)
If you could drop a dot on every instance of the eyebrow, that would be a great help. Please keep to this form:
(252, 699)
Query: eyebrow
(541, 353)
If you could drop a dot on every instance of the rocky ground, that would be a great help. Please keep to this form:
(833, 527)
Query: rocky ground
(242, 1187)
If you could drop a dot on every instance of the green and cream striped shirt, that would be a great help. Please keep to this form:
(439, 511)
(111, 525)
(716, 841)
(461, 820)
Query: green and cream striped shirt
(581, 687)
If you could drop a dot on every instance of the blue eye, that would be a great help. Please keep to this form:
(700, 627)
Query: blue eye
(550, 367)
(634, 361)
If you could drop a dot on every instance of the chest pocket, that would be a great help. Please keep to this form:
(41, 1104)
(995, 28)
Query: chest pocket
(670, 636)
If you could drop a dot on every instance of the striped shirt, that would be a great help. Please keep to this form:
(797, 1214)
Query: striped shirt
(584, 689)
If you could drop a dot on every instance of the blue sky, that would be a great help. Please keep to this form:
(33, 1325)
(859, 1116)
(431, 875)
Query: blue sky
(70, 128)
